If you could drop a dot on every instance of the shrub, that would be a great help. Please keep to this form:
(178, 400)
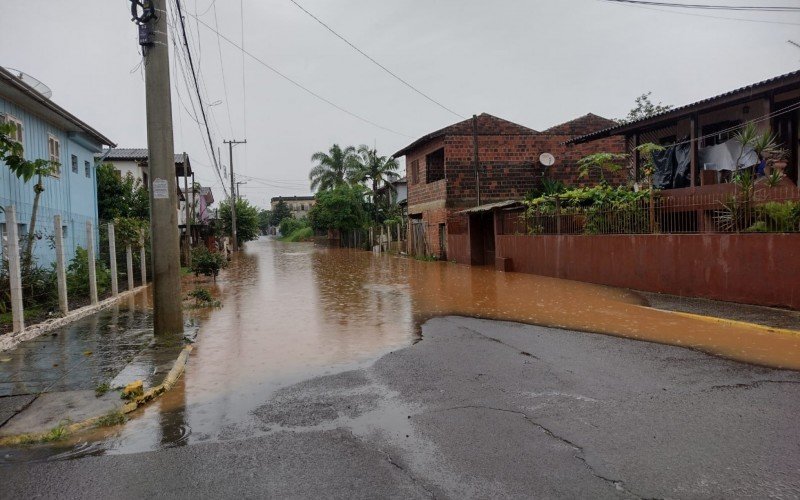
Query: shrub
(78, 275)
(302, 234)
(289, 225)
(207, 263)
(203, 298)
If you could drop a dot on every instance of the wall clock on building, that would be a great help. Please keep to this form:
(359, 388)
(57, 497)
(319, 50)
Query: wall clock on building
(547, 159)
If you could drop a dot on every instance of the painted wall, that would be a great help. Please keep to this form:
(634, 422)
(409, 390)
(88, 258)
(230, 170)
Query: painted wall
(747, 268)
(73, 195)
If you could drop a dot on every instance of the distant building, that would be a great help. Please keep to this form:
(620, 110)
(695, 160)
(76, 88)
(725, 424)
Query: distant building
(299, 205)
(134, 161)
(48, 131)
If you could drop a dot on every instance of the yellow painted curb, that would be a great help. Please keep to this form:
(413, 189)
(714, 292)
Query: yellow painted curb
(733, 322)
(169, 381)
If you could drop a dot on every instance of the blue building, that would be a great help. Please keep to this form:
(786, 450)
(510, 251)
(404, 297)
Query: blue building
(48, 131)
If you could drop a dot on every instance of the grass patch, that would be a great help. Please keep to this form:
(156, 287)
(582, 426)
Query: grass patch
(58, 433)
(112, 419)
(28, 313)
(203, 298)
(185, 271)
(302, 234)
(102, 389)
(426, 258)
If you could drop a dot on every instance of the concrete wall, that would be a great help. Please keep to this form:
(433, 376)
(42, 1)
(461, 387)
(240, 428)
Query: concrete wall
(747, 268)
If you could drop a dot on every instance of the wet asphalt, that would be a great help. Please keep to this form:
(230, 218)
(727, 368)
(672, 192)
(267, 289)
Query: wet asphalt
(484, 409)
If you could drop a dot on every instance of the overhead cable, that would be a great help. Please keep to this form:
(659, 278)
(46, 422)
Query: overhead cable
(384, 68)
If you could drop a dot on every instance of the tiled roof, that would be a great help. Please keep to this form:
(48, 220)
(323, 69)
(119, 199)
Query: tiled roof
(487, 125)
(788, 78)
(134, 154)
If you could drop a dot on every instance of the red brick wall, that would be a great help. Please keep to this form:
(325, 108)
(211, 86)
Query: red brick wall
(419, 192)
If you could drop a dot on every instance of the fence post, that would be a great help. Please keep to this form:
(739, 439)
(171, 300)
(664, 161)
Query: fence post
(12, 249)
(91, 261)
(129, 257)
(61, 275)
(142, 263)
(112, 250)
(558, 215)
(653, 228)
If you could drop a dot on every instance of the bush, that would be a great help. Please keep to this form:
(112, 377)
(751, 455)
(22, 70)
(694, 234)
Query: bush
(289, 225)
(302, 234)
(78, 275)
(207, 263)
(203, 298)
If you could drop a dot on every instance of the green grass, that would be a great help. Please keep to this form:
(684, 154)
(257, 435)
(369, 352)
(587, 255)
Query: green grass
(302, 234)
(28, 313)
(112, 419)
(185, 271)
(56, 434)
(426, 258)
(101, 389)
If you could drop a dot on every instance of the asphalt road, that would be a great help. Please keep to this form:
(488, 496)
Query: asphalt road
(484, 409)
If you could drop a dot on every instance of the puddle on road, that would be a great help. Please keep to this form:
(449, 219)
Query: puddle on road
(291, 311)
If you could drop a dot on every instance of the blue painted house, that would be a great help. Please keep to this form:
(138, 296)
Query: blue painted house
(48, 131)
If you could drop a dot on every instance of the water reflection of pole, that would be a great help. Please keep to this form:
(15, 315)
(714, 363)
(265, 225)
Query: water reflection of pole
(172, 420)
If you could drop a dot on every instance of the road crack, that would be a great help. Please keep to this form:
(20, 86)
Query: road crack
(407, 473)
(753, 384)
(579, 455)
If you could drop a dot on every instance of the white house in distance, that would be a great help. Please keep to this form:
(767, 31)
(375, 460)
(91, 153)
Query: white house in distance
(134, 161)
(299, 205)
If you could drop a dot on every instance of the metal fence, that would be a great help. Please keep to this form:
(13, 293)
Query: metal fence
(57, 277)
(752, 211)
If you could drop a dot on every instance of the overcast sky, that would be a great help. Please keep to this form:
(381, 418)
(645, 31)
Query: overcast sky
(537, 63)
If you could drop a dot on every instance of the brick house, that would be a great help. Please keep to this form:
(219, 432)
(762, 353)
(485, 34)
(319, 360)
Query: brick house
(441, 172)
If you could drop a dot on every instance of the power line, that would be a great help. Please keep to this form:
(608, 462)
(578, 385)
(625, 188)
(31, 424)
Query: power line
(384, 68)
(222, 70)
(762, 8)
(297, 84)
(709, 16)
(197, 89)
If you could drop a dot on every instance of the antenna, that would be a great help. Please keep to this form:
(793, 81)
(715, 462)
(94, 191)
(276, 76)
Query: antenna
(35, 83)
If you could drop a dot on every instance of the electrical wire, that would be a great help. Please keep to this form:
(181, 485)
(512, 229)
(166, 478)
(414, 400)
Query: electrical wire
(694, 14)
(762, 8)
(384, 68)
(197, 88)
(296, 83)
(222, 71)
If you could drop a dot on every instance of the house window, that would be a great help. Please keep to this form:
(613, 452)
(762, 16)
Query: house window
(16, 135)
(87, 169)
(74, 163)
(434, 166)
(414, 171)
(54, 149)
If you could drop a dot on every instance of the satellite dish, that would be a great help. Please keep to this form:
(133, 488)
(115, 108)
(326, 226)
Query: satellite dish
(37, 85)
(547, 159)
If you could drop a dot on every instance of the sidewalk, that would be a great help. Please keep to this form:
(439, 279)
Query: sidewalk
(73, 373)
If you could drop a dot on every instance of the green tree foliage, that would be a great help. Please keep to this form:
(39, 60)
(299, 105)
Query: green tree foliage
(600, 163)
(340, 208)
(207, 263)
(290, 225)
(374, 171)
(120, 196)
(12, 154)
(264, 218)
(246, 219)
(281, 212)
(332, 168)
(644, 108)
(78, 275)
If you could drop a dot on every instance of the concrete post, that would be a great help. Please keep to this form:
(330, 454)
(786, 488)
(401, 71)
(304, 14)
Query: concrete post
(91, 262)
(63, 304)
(142, 263)
(112, 250)
(17, 313)
(129, 257)
(166, 265)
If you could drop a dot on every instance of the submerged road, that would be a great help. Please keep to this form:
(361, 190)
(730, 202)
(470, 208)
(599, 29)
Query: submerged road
(483, 408)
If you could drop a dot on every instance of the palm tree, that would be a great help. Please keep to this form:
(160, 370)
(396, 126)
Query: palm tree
(375, 170)
(333, 168)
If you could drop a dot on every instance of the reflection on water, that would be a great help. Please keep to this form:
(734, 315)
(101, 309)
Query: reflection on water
(291, 311)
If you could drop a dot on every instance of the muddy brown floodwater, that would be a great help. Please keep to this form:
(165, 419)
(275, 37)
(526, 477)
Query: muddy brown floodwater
(291, 311)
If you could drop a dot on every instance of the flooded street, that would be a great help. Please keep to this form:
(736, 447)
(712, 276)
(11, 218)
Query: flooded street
(293, 311)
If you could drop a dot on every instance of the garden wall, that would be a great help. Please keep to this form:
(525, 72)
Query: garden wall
(758, 269)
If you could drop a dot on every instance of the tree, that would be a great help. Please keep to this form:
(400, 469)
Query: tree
(332, 169)
(12, 154)
(120, 196)
(281, 212)
(602, 163)
(644, 109)
(246, 220)
(374, 170)
(340, 208)
(264, 218)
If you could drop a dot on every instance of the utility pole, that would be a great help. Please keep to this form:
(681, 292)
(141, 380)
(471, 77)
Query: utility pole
(153, 28)
(475, 158)
(230, 144)
(238, 194)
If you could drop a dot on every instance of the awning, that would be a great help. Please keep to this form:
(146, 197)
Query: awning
(491, 206)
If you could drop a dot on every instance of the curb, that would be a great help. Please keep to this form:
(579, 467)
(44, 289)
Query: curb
(169, 381)
(732, 322)
(11, 340)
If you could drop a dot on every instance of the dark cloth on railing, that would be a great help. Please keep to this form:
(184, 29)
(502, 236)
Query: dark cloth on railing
(672, 167)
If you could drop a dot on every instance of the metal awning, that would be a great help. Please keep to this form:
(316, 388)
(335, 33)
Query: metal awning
(491, 206)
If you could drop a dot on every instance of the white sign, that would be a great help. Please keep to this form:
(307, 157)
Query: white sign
(160, 189)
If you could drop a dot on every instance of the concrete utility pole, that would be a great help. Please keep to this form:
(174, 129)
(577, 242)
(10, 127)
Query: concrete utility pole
(188, 238)
(230, 144)
(238, 194)
(475, 158)
(166, 265)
